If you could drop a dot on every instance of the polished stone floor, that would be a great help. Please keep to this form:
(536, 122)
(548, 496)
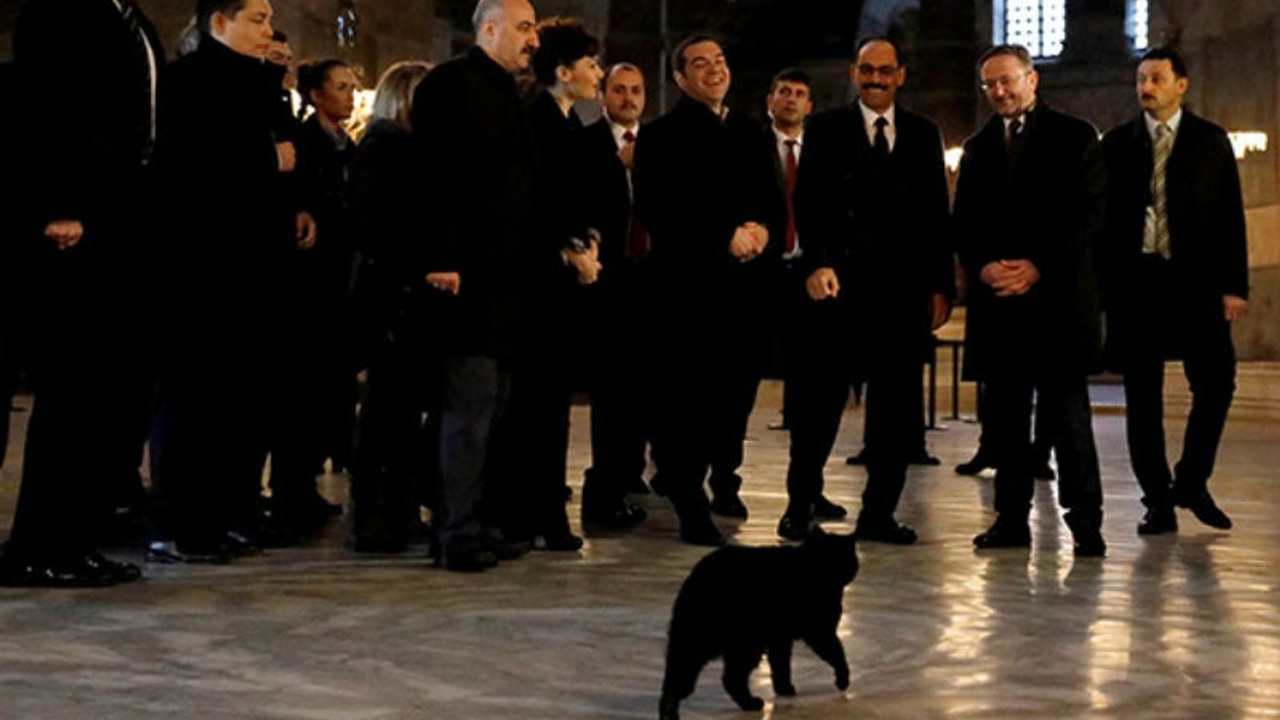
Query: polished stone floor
(1182, 627)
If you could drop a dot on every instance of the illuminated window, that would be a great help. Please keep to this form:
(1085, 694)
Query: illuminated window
(1038, 25)
(1138, 23)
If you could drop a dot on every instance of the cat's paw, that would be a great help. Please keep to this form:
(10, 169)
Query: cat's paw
(750, 702)
(842, 679)
(784, 689)
(668, 709)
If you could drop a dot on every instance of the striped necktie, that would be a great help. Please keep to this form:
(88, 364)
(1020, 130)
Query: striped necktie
(1160, 156)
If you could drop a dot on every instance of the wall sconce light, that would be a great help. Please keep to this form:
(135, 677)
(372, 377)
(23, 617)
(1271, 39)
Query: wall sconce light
(1244, 143)
(952, 158)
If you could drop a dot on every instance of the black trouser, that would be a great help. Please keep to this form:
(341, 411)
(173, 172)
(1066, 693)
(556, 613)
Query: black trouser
(1064, 400)
(706, 390)
(1210, 366)
(527, 464)
(821, 389)
(474, 395)
(621, 387)
(83, 438)
(395, 468)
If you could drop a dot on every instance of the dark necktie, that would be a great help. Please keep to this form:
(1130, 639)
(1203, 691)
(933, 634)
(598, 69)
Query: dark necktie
(881, 140)
(638, 239)
(790, 243)
(1015, 127)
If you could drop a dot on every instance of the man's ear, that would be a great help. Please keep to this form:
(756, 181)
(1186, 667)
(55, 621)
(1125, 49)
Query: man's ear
(218, 24)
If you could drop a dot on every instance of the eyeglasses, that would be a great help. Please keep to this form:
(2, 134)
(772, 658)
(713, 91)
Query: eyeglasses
(1004, 81)
(869, 70)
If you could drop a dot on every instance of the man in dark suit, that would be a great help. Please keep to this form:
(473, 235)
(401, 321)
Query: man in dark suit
(619, 368)
(789, 102)
(92, 68)
(1175, 276)
(1028, 208)
(704, 189)
(871, 205)
(479, 187)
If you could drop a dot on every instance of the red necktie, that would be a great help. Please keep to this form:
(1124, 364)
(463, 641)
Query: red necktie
(638, 242)
(790, 244)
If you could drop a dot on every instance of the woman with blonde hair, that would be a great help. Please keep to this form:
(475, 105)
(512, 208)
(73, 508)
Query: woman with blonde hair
(385, 478)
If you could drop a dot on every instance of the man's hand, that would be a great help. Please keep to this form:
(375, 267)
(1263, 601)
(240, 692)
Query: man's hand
(1010, 277)
(586, 262)
(305, 227)
(286, 156)
(939, 311)
(822, 284)
(66, 233)
(450, 282)
(1234, 307)
(749, 240)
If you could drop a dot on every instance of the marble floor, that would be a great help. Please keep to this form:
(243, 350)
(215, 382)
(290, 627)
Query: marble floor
(1180, 627)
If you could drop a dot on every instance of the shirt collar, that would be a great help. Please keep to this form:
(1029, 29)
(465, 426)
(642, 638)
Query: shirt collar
(1172, 122)
(620, 130)
(869, 116)
(782, 137)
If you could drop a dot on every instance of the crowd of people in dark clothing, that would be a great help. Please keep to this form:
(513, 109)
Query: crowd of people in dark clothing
(209, 275)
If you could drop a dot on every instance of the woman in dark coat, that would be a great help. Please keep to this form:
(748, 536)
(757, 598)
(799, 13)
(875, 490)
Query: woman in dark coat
(527, 467)
(387, 470)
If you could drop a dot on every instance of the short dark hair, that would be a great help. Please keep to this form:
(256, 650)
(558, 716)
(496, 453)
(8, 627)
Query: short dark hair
(206, 8)
(863, 42)
(279, 36)
(1167, 53)
(793, 75)
(313, 73)
(677, 54)
(1016, 51)
(562, 41)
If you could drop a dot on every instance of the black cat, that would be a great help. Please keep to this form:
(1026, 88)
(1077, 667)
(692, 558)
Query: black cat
(740, 602)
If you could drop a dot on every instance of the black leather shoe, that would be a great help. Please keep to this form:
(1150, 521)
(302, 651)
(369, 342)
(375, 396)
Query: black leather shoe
(19, 572)
(1205, 509)
(1086, 531)
(885, 531)
(824, 509)
(559, 542)
(618, 515)
(924, 458)
(859, 459)
(168, 551)
(116, 571)
(1004, 534)
(697, 529)
(1157, 521)
(979, 462)
(729, 505)
(468, 555)
(794, 527)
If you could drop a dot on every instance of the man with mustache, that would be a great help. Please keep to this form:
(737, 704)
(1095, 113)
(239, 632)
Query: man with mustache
(1028, 209)
(479, 189)
(705, 191)
(1175, 276)
(620, 369)
(871, 205)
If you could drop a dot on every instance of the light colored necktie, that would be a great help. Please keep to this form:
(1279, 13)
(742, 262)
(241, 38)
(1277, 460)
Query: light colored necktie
(1160, 162)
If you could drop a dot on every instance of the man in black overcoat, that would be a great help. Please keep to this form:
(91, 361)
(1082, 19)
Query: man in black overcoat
(89, 73)
(871, 204)
(620, 368)
(1028, 208)
(1175, 272)
(479, 169)
(704, 189)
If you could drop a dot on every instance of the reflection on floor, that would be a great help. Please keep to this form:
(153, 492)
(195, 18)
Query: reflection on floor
(1184, 627)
